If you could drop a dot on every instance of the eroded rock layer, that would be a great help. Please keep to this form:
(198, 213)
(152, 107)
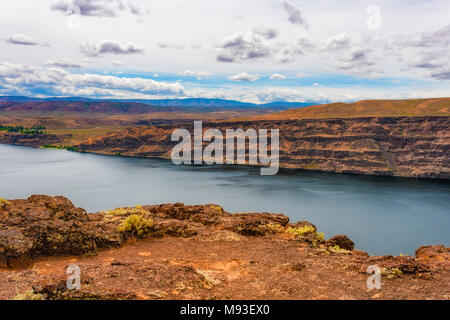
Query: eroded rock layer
(404, 146)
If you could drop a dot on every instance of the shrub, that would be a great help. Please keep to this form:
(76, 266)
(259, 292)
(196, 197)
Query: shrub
(307, 233)
(272, 228)
(136, 225)
(3, 203)
(301, 231)
(28, 295)
(391, 273)
(126, 211)
(337, 249)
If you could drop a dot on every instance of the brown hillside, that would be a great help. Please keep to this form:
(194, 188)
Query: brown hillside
(366, 108)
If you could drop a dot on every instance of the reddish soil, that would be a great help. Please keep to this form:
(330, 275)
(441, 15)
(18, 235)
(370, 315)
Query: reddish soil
(202, 252)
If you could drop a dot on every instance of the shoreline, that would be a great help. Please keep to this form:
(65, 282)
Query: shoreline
(243, 166)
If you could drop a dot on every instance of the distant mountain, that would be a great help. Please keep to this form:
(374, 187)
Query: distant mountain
(85, 107)
(288, 105)
(196, 102)
(28, 99)
(200, 103)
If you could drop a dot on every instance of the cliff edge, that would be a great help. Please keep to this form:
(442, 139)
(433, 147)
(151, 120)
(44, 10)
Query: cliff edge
(175, 251)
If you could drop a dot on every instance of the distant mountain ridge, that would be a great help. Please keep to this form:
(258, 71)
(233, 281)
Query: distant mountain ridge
(186, 102)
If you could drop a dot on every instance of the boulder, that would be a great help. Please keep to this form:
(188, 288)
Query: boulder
(254, 224)
(15, 249)
(342, 241)
(435, 257)
(405, 264)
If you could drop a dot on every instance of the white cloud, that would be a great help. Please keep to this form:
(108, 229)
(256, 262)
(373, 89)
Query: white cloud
(97, 8)
(91, 49)
(277, 76)
(243, 47)
(195, 73)
(434, 52)
(21, 39)
(55, 80)
(245, 77)
(336, 45)
(439, 37)
(65, 63)
(338, 42)
(267, 33)
(294, 15)
(254, 46)
(171, 45)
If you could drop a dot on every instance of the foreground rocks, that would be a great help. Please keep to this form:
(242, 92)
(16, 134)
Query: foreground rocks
(174, 251)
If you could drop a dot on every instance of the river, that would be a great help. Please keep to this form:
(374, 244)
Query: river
(382, 215)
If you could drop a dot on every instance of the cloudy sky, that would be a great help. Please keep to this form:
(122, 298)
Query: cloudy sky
(250, 50)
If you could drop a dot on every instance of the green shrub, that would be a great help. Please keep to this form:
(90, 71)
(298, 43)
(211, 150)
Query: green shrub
(337, 249)
(272, 228)
(126, 211)
(307, 233)
(27, 295)
(391, 273)
(3, 202)
(136, 226)
(301, 231)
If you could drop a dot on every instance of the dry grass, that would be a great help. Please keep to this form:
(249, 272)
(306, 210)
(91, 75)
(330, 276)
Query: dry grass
(367, 108)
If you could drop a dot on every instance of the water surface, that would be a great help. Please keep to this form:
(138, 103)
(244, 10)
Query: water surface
(382, 215)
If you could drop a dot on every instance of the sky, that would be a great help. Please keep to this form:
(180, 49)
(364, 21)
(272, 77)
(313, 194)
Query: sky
(250, 50)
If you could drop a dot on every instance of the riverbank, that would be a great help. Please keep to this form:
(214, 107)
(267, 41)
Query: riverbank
(176, 251)
(416, 147)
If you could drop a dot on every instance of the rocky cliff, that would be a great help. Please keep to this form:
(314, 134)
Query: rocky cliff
(392, 146)
(174, 251)
(401, 146)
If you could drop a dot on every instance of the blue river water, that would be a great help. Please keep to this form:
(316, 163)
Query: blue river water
(381, 215)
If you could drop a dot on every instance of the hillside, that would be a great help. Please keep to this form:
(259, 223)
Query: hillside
(77, 107)
(366, 108)
(407, 138)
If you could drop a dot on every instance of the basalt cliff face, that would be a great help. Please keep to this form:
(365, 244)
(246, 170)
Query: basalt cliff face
(175, 251)
(391, 146)
(394, 146)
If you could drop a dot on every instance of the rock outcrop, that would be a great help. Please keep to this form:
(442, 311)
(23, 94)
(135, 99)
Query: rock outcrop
(43, 226)
(176, 251)
(416, 146)
(402, 146)
(342, 241)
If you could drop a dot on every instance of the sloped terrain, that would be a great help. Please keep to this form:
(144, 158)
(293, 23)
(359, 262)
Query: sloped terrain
(366, 108)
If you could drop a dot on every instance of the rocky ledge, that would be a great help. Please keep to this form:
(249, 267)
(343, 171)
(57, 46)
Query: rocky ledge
(175, 251)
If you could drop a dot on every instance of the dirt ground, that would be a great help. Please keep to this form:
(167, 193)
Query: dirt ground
(223, 266)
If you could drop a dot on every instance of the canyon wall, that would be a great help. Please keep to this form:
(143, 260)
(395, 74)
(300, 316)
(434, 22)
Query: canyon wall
(391, 146)
(403, 146)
